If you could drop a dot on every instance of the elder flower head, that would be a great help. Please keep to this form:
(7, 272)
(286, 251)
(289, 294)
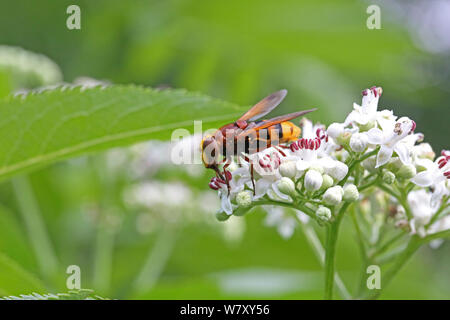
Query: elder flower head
(367, 112)
(389, 137)
(435, 175)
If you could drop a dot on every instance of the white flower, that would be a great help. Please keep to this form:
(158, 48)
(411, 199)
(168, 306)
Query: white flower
(422, 210)
(388, 177)
(323, 213)
(327, 181)
(244, 198)
(333, 195)
(351, 193)
(267, 164)
(288, 169)
(307, 153)
(358, 142)
(335, 130)
(286, 186)
(367, 112)
(313, 180)
(389, 137)
(407, 171)
(440, 225)
(236, 181)
(435, 175)
(338, 170)
(276, 217)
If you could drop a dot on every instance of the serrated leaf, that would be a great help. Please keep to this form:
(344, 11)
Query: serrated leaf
(52, 125)
(81, 294)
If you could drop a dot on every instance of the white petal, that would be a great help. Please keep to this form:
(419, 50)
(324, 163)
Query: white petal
(302, 165)
(356, 116)
(326, 162)
(278, 192)
(384, 155)
(226, 204)
(261, 187)
(439, 191)
(423, 179)
(375, 136)
(403, 153)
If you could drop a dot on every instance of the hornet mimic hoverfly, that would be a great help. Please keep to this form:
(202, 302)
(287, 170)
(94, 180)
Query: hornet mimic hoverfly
(247, 136)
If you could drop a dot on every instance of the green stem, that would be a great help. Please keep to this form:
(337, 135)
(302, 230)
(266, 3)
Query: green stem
(332, 234)
(401, 198)
(318, 250)
(104, 248)
(412, 247)
(37, 232)
(156, 260)
(387, 244)
(354, 163)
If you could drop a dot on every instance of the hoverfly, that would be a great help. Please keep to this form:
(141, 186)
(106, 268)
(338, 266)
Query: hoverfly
(247, 136)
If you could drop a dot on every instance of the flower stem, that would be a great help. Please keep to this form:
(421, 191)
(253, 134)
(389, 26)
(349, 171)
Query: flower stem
(332, 233)
(318, 250)
(412, 247)
(35, 225)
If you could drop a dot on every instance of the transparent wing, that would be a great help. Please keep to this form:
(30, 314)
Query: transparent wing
(264, 106)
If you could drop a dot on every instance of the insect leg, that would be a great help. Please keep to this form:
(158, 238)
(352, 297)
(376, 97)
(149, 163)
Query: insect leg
(252, 178)
(280, 151)
(227, 174)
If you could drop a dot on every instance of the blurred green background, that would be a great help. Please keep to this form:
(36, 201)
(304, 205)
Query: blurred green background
(240, 51)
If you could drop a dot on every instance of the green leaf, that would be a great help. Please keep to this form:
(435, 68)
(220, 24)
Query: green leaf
(81, 294)
(52, 125)
(15, 279)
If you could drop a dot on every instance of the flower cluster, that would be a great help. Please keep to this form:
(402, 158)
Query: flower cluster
(328, 168)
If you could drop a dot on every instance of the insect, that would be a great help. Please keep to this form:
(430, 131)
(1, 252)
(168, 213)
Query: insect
(247, 136)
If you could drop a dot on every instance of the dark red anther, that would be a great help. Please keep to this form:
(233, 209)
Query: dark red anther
(446, 154)
(365, 92)
(228, 175)
(317, 144)
(413, 126)
(374, 90)
(293, 146)
(213, 186)
(447, 174)
(219, 180)
(311, 144)
(301, 143)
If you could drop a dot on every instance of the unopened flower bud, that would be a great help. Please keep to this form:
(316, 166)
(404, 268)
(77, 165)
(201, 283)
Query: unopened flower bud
(358, 142)
(299, 185)
(323, 213)
(366, 127)
(388, 177)
(338, 171)
(351, 193)
(335, 130)
(327, 182)
(222, 216)
(344, 138)
(407, 171)
(313, 180)
(288, 169)
(317, 168)
(244, 198)
(333, 195)
(286, 186)
(369, 164)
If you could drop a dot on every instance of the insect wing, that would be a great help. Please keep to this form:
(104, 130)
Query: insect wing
(276, 120)
(264, 106)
